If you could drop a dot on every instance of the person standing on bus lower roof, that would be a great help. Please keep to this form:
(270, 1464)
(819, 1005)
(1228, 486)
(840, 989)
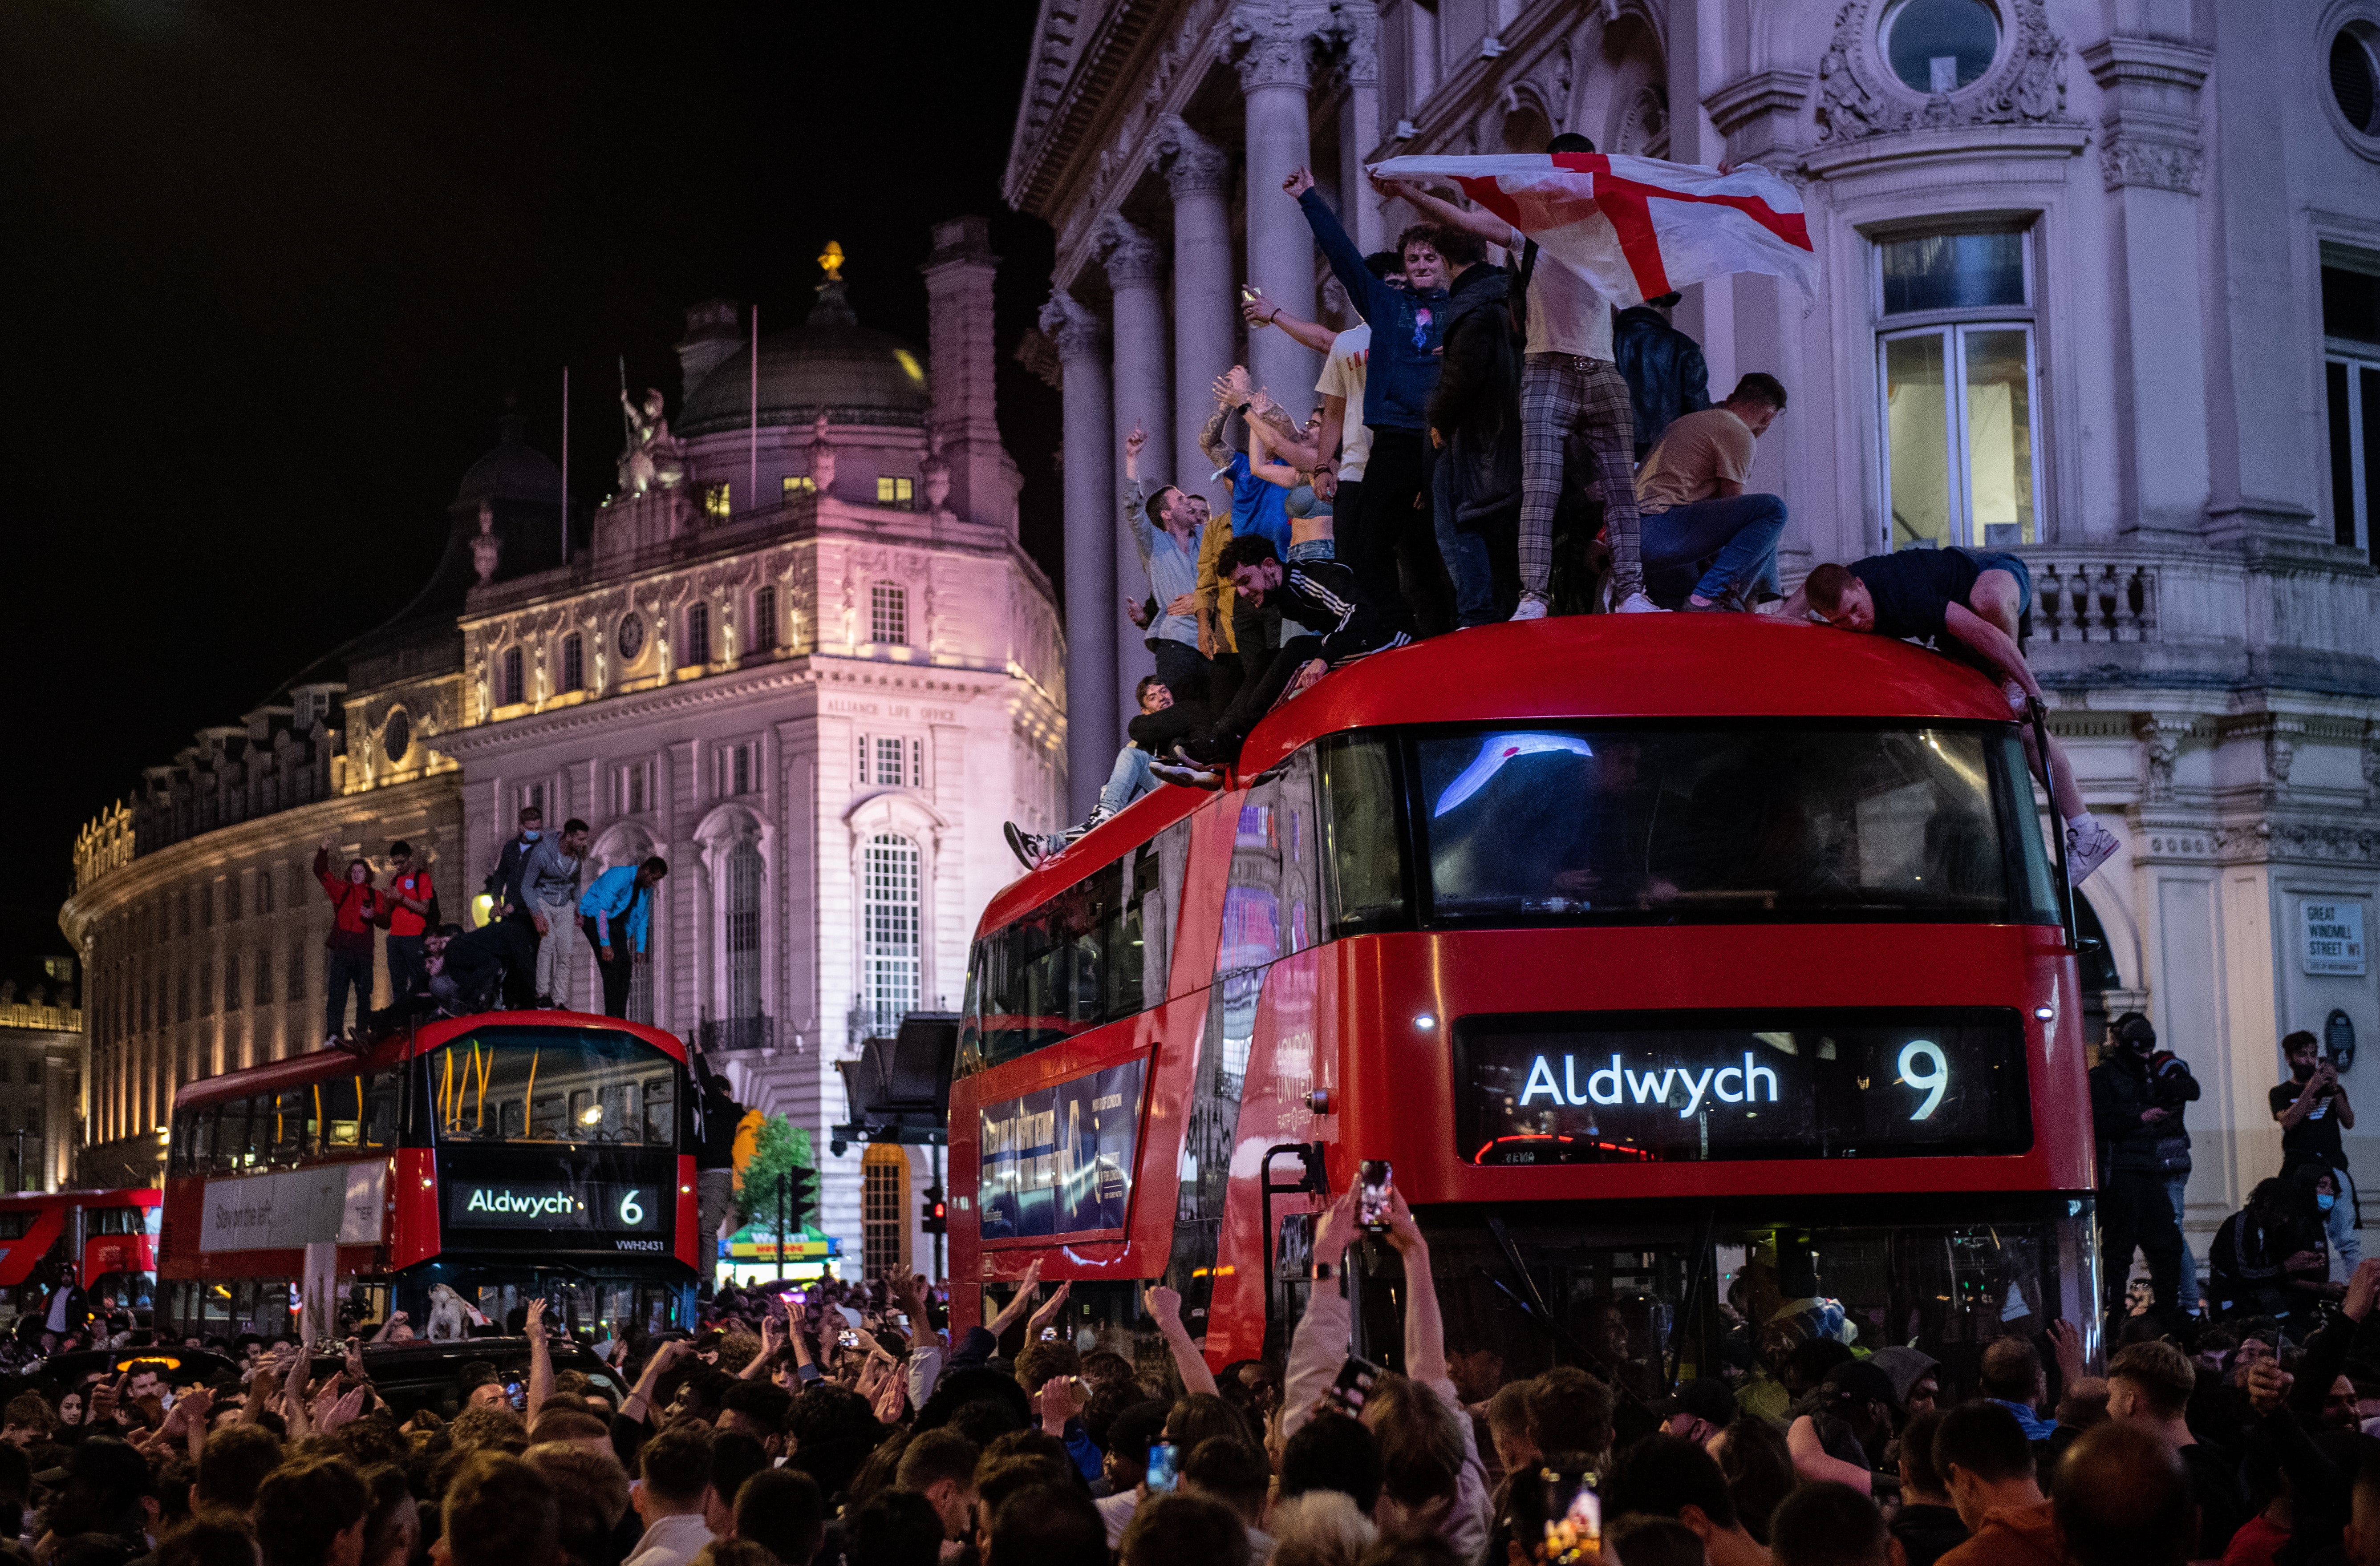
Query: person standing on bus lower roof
(406, 909)
(616, 914)
(550, 892)
(2135, 1209)
(347, 950)
(1968, 605)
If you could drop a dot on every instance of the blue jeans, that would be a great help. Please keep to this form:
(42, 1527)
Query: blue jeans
(1470, 555)
(1129, 780)
(2187, 1294)
(1743, 529)
(1313, 549)
(2338, 1226)
(1996, 560)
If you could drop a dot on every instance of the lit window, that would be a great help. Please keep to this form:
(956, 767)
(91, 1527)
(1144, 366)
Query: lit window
(764, 620)
(888, 615)
(909, 365)
(889, 929)
(798, 485)
(1955, 375)
(1940, 45)
(697, 634)
(509, 691)
(743, 931)
(884, 1210)
(893, 492)
(888, 763)
(2350, 329)
(716, 499)
(574, 662)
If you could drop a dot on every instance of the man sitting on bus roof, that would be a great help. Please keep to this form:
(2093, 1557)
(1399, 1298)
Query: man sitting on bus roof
(1342, 626)
(1164, 723)
(1966, 606)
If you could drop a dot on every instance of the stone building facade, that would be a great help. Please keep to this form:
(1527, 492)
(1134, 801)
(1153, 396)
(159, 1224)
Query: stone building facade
(2101, 286)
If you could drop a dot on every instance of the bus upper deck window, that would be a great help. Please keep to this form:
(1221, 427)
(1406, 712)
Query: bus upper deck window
(1364, 862)
(660, 1112)
(380, 1110)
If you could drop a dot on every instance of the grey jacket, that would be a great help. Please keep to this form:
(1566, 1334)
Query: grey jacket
(550, 877)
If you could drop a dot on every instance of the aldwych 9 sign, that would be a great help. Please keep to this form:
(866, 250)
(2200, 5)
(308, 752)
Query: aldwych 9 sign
(1636, 1086)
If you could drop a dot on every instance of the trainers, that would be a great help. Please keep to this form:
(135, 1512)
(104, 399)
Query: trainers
(2016, 697)
(1637, 603)
(1185, 775)
(1530, 608)
(1018, 840)
(2084, 854)
(1727, 602)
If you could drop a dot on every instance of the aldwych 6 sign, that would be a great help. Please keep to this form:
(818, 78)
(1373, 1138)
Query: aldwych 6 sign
(1637, 1086)
(587, 1207)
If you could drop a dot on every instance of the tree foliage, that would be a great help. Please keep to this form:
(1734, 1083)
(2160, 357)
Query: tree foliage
(780, 1147)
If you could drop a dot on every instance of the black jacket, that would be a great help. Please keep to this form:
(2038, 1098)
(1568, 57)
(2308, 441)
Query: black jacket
(2120, 1093)
(1927, 1532)
(1321, 596)
(1476, 405)
(1667, 378)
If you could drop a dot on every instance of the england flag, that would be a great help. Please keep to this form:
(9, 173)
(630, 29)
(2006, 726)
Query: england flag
(1636, 227)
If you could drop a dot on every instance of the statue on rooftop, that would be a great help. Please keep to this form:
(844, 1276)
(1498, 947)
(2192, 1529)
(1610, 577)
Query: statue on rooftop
(654, 458)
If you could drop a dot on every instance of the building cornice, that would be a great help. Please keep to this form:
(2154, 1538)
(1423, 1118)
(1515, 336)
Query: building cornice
(1070, 92)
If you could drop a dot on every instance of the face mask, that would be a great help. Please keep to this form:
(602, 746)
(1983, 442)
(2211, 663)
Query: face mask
(529, 836)
(2323, 1200)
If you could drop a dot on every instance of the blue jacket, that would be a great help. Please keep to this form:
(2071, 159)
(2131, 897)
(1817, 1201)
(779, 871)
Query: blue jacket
(1259, 505)
(613, 893)
(1407, 327)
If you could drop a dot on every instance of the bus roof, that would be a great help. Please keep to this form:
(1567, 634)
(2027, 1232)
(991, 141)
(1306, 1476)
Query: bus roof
(121, 1197)
(1579, 667)
(318, 1065)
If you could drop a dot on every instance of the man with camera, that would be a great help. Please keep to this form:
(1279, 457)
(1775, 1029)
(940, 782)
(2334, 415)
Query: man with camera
(2312, 1107)
(2137, 1113)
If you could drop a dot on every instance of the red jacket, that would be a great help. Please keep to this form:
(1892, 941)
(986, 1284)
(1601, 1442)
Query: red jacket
(353, 909)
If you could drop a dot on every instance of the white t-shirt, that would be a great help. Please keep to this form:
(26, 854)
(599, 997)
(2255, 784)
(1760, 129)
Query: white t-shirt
(1566, 315)
(1343, 376)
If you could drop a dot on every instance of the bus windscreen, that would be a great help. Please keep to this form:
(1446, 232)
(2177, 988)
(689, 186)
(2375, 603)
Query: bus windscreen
(1636, 1086)
(1752, 822)
(506, 1084)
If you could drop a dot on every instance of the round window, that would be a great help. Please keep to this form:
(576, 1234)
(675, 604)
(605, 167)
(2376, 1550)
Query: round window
(1940, 45)
(2355, 77)
(398, 738)
(632, 638)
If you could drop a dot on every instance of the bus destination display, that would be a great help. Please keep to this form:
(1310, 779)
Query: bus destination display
(1689, 1087)
(1060, 1161)
(636, 1216)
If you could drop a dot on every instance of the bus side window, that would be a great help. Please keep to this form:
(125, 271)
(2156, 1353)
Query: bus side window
(342, 1112)
(549, 1119)
(1269, 904)
(1363, 862)
(660, 1112)
(292, 1113)
(380, 1110)
(1157, 870)
(234, 1149)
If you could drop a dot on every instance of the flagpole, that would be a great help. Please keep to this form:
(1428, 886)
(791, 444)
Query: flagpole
(752, 444)
(566, 466)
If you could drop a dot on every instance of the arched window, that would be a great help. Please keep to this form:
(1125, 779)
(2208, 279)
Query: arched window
(743, 938)
(889, 926)
(884, 1210)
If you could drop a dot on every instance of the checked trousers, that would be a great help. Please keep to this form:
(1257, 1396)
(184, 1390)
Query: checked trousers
(1563, 394)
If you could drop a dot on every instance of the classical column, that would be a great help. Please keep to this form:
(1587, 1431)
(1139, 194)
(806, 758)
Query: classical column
(1144, 395)
(1273, 41)
(1205, 289)
(1359, 128)
(1093, 735)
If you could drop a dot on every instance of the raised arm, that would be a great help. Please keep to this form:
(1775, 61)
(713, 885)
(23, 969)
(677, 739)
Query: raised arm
(1281, 434)
(1018, 1303)
(1211, 439)
(540, 1358)
(1261, 312)
(1364, 290)
(1425, 1333)
(1262, 461)
(1164, 1307)
(395, 1318)
(1041, 1319)
(639, 1406)
(1445, 213)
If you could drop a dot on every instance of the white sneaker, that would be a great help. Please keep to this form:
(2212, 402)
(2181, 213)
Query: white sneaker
(1637, 603)
(2084, 854)
(1530, 608)
(2016, 697)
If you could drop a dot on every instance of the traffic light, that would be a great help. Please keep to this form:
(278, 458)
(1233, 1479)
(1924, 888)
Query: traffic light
(794, 1198)
(938, 1214)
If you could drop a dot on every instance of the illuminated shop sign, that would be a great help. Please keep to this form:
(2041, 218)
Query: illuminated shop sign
(1669, 1086)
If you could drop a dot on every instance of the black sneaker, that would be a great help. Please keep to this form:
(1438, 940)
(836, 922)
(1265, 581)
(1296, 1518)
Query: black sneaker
(1183, 774)
(1018, 840)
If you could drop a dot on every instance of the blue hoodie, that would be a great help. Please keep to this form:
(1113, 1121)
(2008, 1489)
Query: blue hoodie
(1407, 327)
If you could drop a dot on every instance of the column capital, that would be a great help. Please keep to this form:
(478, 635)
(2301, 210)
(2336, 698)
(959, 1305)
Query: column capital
(1272, 44)
(1191, 162)
(1077, 330)
(1128, 253)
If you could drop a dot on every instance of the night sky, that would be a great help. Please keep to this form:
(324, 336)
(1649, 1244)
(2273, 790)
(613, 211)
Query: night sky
(278, 265)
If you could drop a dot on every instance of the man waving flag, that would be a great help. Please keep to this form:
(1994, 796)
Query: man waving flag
(1636, 227)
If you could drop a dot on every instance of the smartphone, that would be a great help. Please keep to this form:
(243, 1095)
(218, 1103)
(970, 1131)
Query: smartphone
(1247, 293)
(1049, 1334)
(1573, 1518)
(1165, 1467)
(848, 1338)
(1354, 1384)
(1373, 1211)
(517, 1393)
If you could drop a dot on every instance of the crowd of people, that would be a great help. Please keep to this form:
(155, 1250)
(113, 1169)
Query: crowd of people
(1491, 441)
(838, 1426)
(520, 957)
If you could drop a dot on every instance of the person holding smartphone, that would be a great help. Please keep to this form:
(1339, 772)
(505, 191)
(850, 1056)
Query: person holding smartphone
(2312, 1109)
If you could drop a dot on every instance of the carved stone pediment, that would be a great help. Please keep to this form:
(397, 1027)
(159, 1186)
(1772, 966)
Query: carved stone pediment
(1859, 96)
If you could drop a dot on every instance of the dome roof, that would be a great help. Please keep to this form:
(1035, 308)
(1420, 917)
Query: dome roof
(514, 470)
(831, 364)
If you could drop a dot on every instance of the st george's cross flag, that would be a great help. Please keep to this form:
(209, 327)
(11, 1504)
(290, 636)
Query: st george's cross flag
(1636, 227)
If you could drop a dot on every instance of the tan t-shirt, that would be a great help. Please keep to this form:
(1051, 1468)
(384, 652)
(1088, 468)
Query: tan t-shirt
(1693, 454)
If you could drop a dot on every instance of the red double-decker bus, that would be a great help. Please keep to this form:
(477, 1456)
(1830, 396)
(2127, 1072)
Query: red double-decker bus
(504, 1156)
(1705, 981)
(110, 1236)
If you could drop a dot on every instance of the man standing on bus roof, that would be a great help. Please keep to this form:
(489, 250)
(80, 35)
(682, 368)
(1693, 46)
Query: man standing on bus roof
(406, 897)
(2128, 1113)
(347, 950)
(1967, 604)
(620, 897)
(549, 891)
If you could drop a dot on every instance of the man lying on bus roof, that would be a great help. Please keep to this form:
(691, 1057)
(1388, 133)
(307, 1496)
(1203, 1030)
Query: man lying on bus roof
(1321, 595)
(1965, 604)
